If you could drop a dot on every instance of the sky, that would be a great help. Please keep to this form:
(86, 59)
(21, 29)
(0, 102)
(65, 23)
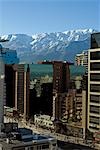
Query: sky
(38, 16)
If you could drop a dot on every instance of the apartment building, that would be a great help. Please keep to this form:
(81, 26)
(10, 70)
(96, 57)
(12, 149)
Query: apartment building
(94, 84)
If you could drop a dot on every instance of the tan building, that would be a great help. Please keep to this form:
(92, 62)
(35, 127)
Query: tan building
(63, 106)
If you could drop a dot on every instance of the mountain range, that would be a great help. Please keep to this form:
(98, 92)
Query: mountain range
(49, 46)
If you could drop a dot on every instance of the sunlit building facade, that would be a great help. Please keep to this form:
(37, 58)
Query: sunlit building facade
(94, 84)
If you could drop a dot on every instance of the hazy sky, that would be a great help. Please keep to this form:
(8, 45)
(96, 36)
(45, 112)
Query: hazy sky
(37, 16)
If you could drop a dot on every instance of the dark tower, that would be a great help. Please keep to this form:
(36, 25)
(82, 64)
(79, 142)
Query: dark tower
(61, 81)
(10, 85)
(61, 76)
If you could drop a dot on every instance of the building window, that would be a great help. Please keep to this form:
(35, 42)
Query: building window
(95, 76)
(94, 128)
(94, 109)
(19, 148)
(95, 98)
(94, 120)
(95, 66)
(95, 88)
(95, 55)
(45, 146)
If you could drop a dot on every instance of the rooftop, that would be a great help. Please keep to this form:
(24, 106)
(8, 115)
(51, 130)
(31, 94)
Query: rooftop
(23, 137)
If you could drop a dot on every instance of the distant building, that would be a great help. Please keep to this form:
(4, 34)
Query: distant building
(82, 59)
(44, 62)
(94, 84)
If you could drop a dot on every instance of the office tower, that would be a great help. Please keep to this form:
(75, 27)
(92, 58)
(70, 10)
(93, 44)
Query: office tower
(10, 85)
(94, 84)
(22, 81)
(17, 87)
(82, 59)
(46, 98)
(61, 76)
(2, 74)
(61, 80)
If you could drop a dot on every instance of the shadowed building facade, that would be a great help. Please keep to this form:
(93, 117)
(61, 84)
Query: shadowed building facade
(17, 88)
(61, 80)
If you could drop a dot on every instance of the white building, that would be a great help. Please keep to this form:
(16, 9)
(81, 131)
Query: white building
(82, 59)
(94, 90)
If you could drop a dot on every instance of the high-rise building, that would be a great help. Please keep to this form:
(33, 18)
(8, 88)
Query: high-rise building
(1, 90)
(2, 87)
(17, 87)
(22, 85)
(61, 76)
(84, 104)
(10, 85)
(61, 80)
(94, 84)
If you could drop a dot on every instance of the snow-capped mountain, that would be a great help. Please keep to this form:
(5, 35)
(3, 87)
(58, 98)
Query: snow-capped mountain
(49, 46)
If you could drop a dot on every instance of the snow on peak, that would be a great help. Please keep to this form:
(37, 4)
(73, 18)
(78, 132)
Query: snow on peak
(4, 37)
(13, 37)
(80, 34)
(84, 31)
(39, 36)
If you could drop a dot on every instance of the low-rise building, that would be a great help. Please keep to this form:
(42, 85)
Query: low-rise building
(44, 121)
(14, 138)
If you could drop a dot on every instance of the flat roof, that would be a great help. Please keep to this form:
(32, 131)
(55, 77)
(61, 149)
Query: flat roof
(27, 140)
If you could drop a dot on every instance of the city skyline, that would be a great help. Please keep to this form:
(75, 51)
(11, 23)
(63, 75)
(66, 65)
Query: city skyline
(31, 17)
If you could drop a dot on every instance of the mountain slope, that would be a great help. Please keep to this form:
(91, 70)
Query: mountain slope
(49, 46)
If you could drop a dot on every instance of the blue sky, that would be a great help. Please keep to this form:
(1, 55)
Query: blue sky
(37, 16)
